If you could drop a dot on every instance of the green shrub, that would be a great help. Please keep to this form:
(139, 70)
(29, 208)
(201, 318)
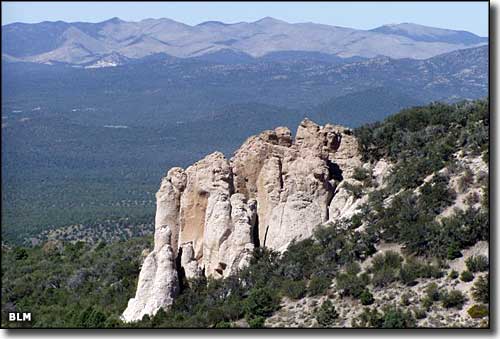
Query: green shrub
(336, 245)
(319, 285)
(368, 318)
(232, 308)
(366, 297)
(90, 318)
(384, 276)
(355, 190)
(363, 175)
(454, 298)
(453, 274)
(159, 318)
(478, 311)
(419, 313)
(463, 229)
(356, 221)
(485, 199)
(113, 322)
(294, 289)
(453, 251)
(405, 299)
(385, 268)
(436, 195)
(408, 274)
(416, 268)
(481, 290)
(360, 173)
(388, 259)
(261, 302)
(397, 318)
(351, 283)
(20, 253)
(326, 315)
(299, 260)
(223, 324)
(427, 132)
(257, 322)
(392, 317)
(432, 292)
(466, 276)
(477, 263)
(427, 270)
(427, 303)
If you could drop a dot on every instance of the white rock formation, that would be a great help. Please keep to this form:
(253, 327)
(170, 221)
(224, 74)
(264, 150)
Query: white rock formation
(158, 280)
(188, 262)
(273, 191)
(294, 182)
(381, 171)
(344, 205)
(168, 202)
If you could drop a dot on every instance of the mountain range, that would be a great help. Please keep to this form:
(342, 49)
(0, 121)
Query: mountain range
(114, 42)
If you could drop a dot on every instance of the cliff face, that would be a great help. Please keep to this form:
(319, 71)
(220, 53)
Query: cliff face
(212, 215)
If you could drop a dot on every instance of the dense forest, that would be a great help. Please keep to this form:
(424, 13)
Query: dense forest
(76, 284)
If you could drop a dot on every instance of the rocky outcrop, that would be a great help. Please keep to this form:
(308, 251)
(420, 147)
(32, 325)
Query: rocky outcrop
(158, 280)
(168, 202)
(273, 191)
(344, 204)
(294, 182)
(189, 265)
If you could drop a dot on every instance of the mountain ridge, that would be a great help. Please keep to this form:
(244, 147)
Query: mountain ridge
(82, 42)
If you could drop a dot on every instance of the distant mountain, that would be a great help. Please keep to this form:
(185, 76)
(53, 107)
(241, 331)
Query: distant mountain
(431, 34)
(82, 43)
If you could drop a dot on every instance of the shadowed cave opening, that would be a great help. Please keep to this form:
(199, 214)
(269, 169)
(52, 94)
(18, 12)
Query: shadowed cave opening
(180, 270)
(255, 232)
(335, 171)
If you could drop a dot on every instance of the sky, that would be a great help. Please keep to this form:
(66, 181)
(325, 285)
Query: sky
(469, 16)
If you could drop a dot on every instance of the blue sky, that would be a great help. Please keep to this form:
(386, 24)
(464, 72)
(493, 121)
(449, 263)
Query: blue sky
(469, 16)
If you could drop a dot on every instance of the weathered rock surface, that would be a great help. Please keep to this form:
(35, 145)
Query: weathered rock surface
(168, 202)
(273, 191)
(294, 182)
(188, 261)
(344, 204)
(158, 280)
